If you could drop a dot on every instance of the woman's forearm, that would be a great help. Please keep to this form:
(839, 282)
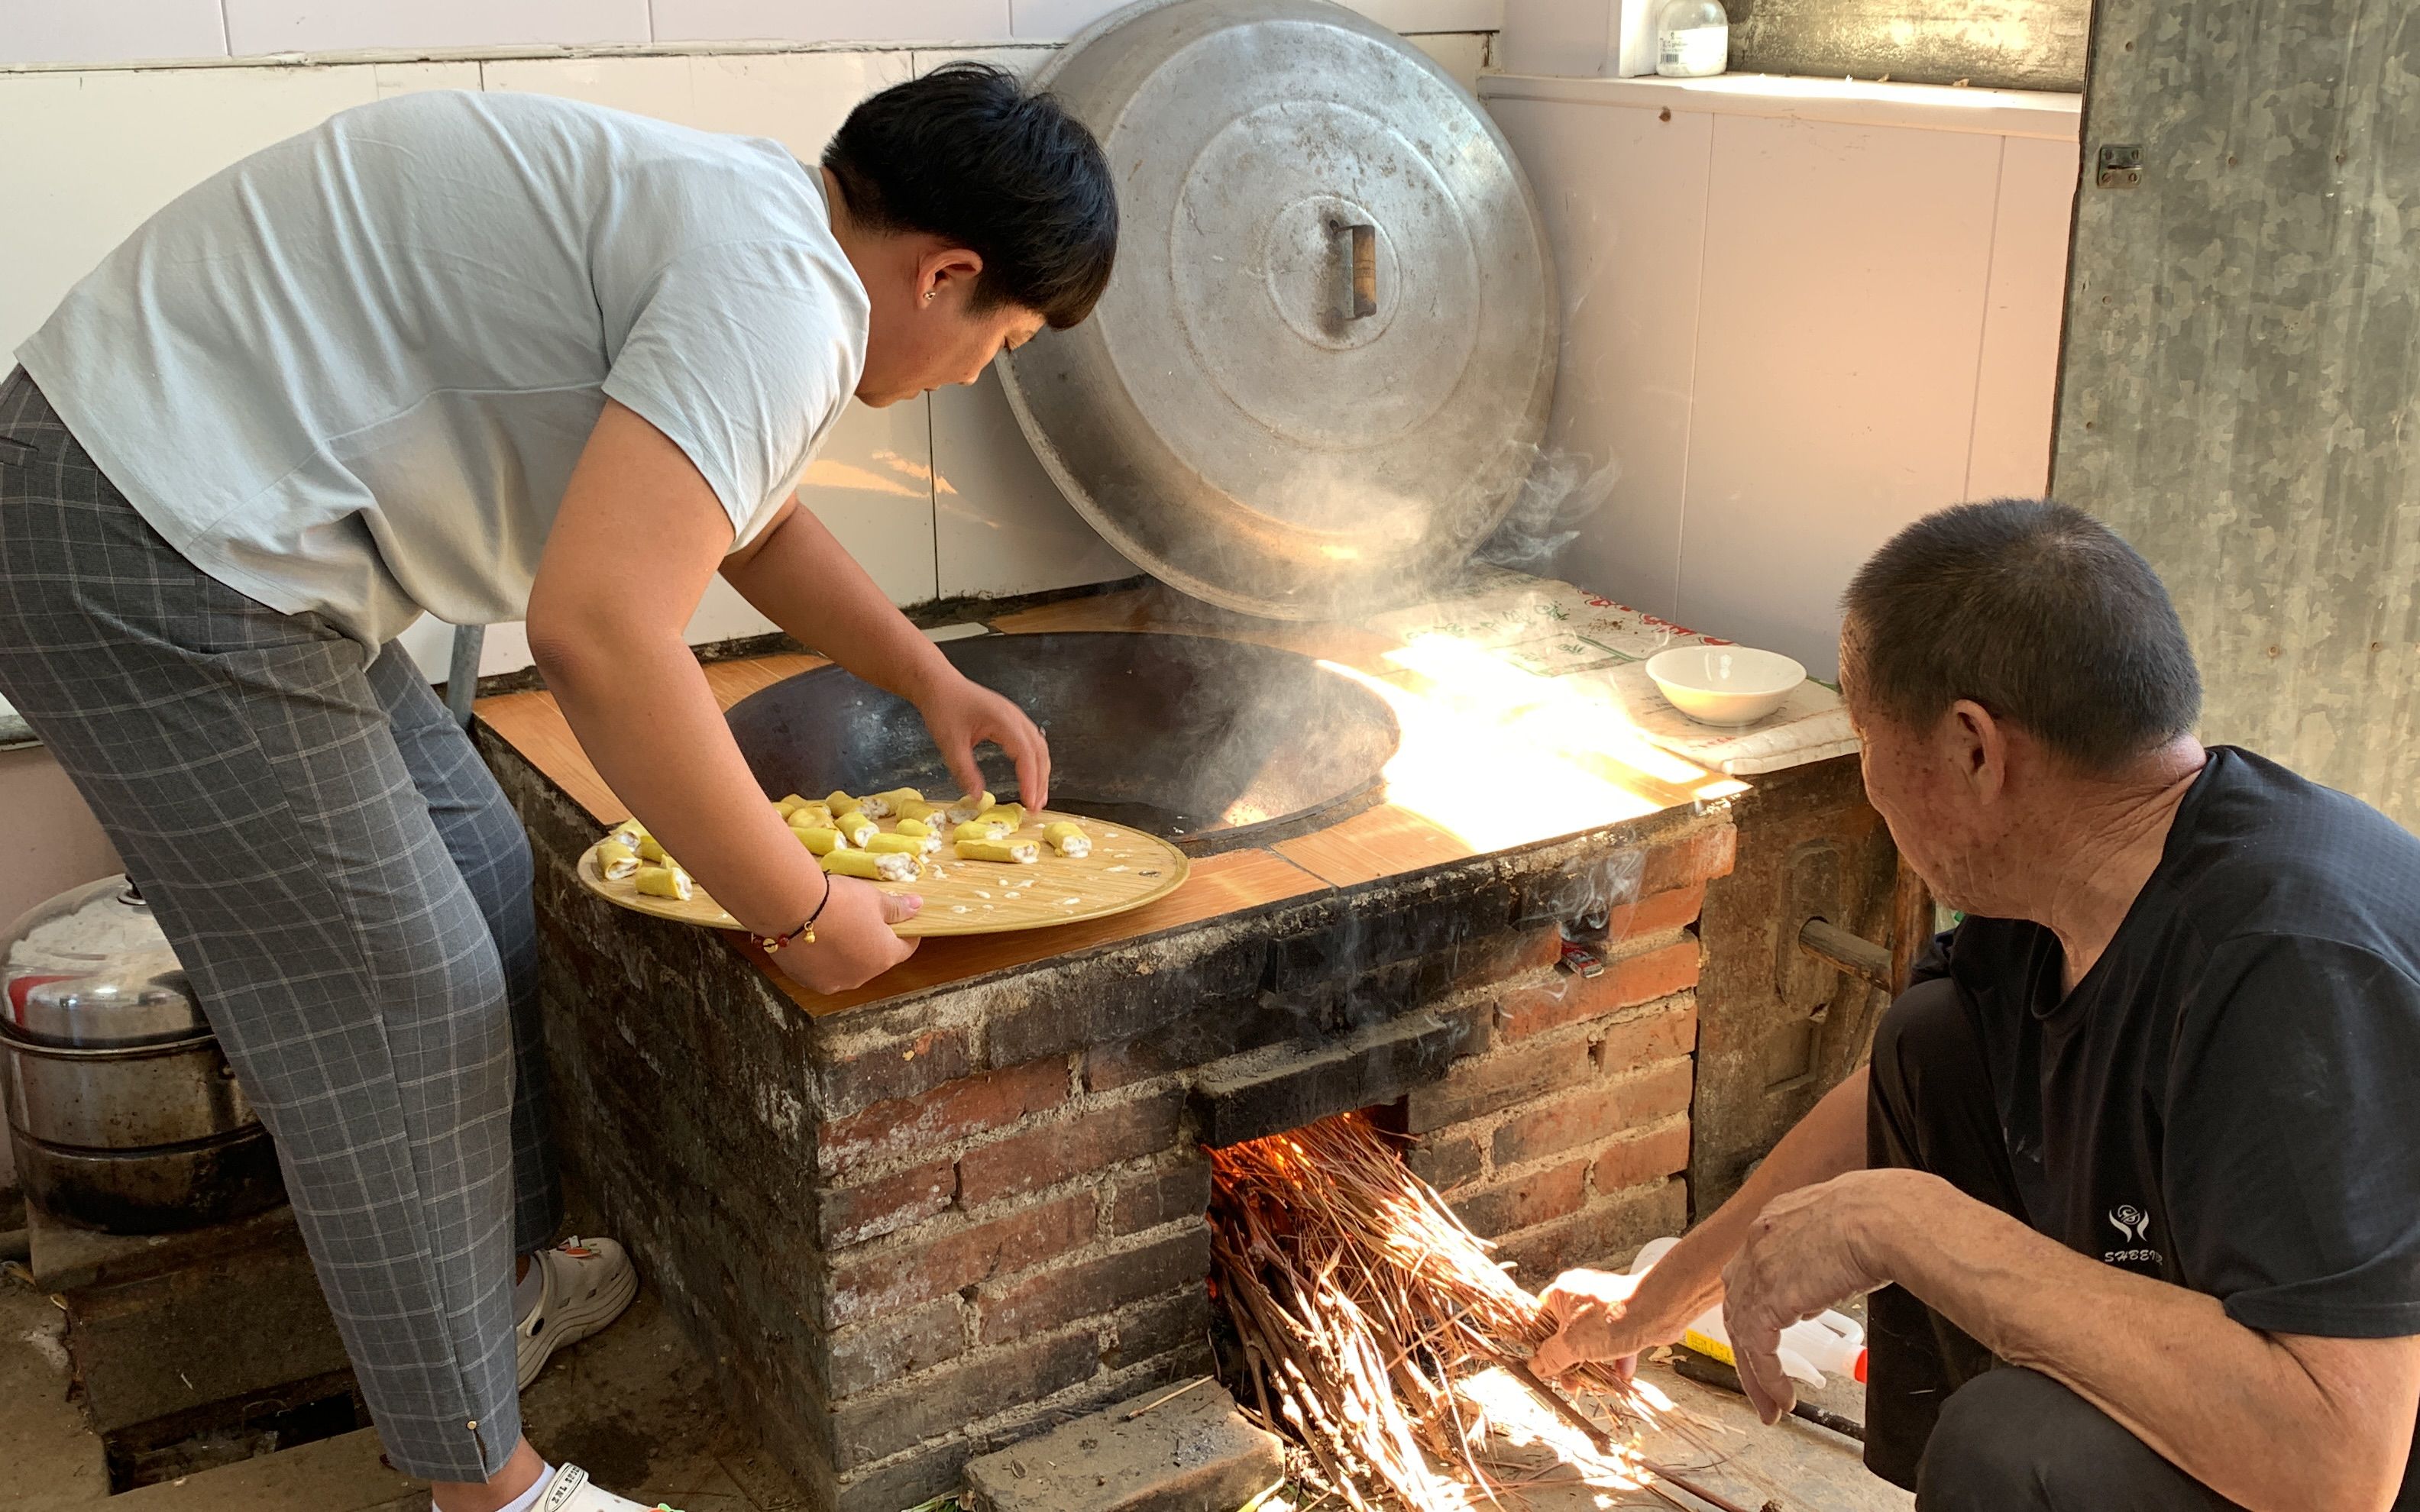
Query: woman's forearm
(647, 720)
(798, 577)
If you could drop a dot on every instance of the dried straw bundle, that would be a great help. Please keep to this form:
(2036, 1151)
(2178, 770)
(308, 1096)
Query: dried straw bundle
(1362, 1300)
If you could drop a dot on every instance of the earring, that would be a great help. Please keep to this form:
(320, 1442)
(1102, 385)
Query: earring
(929, 293)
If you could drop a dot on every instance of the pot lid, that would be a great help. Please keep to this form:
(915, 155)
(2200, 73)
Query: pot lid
(1318, 376)
(90, 968)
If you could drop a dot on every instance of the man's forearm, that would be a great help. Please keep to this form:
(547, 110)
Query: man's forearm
(1829, 1141)
(797, 576)
(2232, 1407)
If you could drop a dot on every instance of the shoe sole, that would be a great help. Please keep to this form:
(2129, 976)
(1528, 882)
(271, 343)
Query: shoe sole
(581, 1321)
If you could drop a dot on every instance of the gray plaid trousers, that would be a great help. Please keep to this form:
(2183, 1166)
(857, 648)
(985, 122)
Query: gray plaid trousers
(350, 894)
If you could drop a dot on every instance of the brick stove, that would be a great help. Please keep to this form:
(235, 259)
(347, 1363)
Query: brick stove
(944, 1213)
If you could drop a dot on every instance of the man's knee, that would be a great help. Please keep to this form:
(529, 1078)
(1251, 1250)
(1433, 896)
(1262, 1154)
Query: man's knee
(2016, 1441)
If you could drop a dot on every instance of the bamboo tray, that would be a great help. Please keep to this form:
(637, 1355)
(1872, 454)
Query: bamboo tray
(1126, 870)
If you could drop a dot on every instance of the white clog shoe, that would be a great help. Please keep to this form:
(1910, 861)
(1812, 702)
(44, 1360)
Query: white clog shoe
(583, 1285)
(572, 1491)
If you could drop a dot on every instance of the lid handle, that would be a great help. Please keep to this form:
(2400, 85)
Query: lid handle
(1361, 294)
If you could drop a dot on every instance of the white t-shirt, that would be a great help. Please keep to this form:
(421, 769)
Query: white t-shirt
(351, 373)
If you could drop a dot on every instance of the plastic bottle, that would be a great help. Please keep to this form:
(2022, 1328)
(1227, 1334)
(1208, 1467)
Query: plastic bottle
(1693, 39)
(1809, 1346)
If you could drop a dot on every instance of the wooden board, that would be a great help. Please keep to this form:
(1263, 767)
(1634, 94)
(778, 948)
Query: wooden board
(1126, 870)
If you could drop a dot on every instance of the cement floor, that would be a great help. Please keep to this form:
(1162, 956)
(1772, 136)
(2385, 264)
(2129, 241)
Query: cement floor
(631, 1406)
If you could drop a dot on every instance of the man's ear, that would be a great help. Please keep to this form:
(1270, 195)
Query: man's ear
(1980, 747)
(947, 274)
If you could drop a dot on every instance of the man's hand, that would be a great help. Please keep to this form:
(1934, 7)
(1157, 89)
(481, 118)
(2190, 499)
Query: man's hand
(854, 943)
(1804, 1253)
(963, 715)
(1593, 1321)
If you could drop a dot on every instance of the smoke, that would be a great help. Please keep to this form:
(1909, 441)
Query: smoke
(1563, 490)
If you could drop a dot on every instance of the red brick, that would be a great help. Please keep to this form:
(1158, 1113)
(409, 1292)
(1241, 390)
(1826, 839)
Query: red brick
(862, 1358)
(1646, 1156)
(1480, 1086)
(853, 1214)
(1072, 1145)
(868, 1283)
(892, 1068)
(1594, 1114)
(1446, 1161)
(1039, 1303)
(943, 1116)
(1701, 857)
(1600, 1235)
(1668, 1030)
(1162, 1194)
(1626, 981)
(1526, 1202)
(1659, 913)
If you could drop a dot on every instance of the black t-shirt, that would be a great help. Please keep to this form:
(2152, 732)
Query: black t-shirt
(2229, 1100)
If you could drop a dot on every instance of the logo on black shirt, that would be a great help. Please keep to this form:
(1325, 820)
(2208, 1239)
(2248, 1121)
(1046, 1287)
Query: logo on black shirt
(2133, 1226)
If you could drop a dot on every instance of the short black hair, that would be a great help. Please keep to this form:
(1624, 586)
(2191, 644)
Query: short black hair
(2033, 609)
(967, 153)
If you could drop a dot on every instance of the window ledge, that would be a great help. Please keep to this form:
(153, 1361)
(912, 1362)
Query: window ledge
(1847, 101)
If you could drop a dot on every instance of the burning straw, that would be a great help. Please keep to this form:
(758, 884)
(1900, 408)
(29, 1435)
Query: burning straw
(1362, 1303)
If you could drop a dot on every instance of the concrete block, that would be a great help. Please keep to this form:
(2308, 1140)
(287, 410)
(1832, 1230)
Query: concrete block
(1194, 1453)
(1292, 1086)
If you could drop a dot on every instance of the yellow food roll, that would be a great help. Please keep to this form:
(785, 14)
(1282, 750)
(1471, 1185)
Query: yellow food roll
(1068, 838)
(820, 840)
(1011, 814)
(653, 854)
(895, 845)
(898, 798)
(839, 802)
(616, 861)
(629, 832)
(969, 807)
(912, 826)
(930, 813)
(788, 804)
(664, 882)
(1021, 853)
(978, 829)
(857, 827)
(874, 866)
(810, 816)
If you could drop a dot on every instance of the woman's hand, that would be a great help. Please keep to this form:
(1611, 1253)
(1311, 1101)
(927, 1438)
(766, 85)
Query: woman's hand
(963, 715)
(1605, 1316)
(854, 943)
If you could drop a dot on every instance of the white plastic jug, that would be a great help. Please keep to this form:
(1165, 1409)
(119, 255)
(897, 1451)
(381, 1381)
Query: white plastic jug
(1810, 1347)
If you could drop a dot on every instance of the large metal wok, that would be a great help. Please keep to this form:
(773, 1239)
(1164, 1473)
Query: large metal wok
(1210, 744)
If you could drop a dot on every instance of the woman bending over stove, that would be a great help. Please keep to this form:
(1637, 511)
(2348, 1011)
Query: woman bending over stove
(487, 357)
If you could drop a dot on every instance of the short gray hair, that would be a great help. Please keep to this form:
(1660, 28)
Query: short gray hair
(2033, 609)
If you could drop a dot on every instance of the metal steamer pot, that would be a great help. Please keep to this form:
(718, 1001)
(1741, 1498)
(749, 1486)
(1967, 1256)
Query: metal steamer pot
(123, 1112)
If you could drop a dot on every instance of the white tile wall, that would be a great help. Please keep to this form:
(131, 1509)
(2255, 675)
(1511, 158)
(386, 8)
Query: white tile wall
(1793, 329)
(95, 153)
(1000, 525)
(77, 31)
(2017, 379)
(829, 20)
(1623, 195)
(797, 99)
(1055, 20)
(257, 26)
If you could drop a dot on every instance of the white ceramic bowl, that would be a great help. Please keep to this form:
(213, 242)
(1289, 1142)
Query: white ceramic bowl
(1725, 686)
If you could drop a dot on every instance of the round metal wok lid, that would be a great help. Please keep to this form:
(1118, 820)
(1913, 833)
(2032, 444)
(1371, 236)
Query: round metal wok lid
(1317, 380)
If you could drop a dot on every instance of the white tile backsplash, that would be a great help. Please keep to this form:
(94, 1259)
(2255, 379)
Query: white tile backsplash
(873, 485)
(1623, 196)
(77, 31)
(2017, 380)
(97, 153)
(258, 26)
(1000, 525)
(795, 99)
(831, 21)
(1840, 327)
